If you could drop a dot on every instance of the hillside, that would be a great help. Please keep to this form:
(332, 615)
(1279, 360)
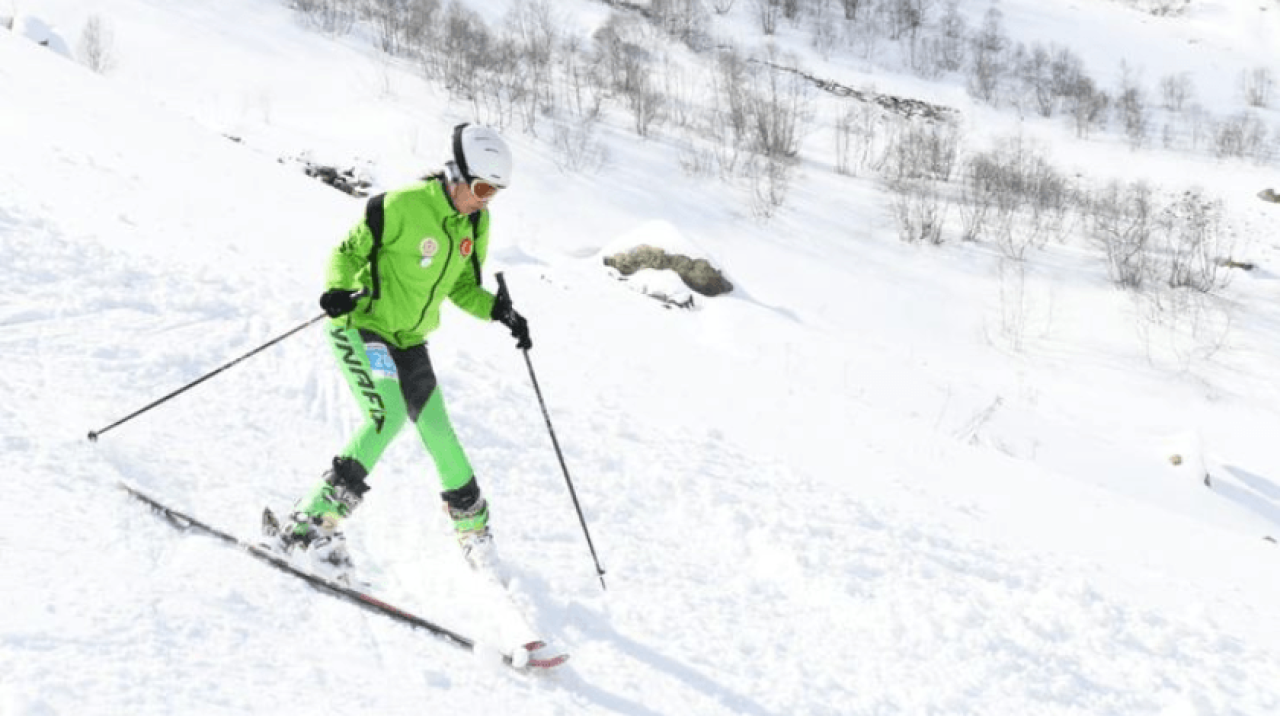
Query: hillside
(880, 476)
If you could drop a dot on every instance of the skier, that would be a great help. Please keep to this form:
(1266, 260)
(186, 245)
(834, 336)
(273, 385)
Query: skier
(386, 282)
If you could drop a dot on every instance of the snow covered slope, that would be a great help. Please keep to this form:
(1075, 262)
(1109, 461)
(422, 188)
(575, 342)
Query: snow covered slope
(830, 492)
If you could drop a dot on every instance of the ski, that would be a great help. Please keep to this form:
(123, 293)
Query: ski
(523, 659)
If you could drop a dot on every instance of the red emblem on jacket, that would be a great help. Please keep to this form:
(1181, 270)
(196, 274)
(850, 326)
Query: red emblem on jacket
(467, 245)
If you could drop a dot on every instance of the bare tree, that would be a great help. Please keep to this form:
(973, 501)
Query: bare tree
(779, 106)
(1194, 243)
(1034, 69)
(97, 45)
(953, 34)
(1131, 103)
(576, 148)
(768, 12)
(851, 8)
(1242, 135)
(904, 18)
(920, 208)
(1122, 221)
(398, 22)
(335, 17)
(1176, 91)
(987, 66)
(1257, 85)
(685, 20)
(533, 29)
(859, 136)
(925, 150)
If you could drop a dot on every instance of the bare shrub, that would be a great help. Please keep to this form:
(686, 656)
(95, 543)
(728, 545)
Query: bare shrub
(97, 45)
(399, 23)
(1013, 195)
(988, 52)
(920, 207)
(925, 150)
(684, 20)
(904, 18)
(1088, 107)
(861, 138)
(577, 150)
(851, 8)
(1122, 218)
(465, 45)
(581, 96)
(1193, 243)
(1182, 327)
(532, 29)
(1176, 91)
(770, 179)
(1240, 136)
(1257, 84)
(1034, 69)
(767, 12)
(722, 6)
(953, 33)
(1131, 104)
(778, 106)
(620, 58)
(1023, 314)
(334, 17)
(646, 102)
(730, 108)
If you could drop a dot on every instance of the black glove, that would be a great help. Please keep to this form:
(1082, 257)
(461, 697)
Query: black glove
(504, 313)
(339, 301)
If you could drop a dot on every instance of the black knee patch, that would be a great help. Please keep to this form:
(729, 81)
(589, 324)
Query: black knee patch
(417, 380)
(463, 498)
(349, 473)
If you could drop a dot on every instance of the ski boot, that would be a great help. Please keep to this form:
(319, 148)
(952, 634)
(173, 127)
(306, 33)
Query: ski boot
(313, 528)
(470, 514)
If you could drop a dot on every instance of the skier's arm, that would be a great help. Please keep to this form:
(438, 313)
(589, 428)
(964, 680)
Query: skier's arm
(350, 256)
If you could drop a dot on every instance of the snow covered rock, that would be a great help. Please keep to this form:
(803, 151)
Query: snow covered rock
(657, 259)
(697, 274)
(41, 33)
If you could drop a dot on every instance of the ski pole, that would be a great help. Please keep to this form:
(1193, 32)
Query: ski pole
(502, 288)
(93, 434)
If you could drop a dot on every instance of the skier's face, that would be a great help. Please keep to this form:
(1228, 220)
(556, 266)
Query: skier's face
(470, 198)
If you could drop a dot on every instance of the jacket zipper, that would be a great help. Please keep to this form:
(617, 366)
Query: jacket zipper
(431, 297)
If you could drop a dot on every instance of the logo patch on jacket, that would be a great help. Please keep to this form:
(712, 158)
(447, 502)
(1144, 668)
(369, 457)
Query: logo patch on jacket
(467, 246)
(429, 248)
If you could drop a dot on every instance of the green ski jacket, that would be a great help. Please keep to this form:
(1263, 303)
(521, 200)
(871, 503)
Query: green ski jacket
(411, 251)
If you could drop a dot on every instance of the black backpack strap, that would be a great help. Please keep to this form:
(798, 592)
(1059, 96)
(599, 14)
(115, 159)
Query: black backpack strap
(375, 219)
(475, 255)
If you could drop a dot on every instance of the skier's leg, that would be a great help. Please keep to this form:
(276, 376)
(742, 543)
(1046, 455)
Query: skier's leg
(368, 365)
(371, 373)
(460, 492)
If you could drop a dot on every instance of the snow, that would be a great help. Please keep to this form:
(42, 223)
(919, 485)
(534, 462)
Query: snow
(877, 478)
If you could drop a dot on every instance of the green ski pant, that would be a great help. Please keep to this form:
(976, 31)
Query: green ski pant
(394, 386)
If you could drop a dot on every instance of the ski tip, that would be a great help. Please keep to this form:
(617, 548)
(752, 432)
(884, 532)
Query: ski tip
(538, 655)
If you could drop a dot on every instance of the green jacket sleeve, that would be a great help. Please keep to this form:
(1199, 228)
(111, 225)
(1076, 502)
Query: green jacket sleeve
(350, 256)
(467, 293)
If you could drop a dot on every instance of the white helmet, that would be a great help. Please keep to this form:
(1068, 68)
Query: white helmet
(480, 153)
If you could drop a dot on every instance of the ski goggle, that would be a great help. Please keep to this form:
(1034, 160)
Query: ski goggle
(483, 190)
